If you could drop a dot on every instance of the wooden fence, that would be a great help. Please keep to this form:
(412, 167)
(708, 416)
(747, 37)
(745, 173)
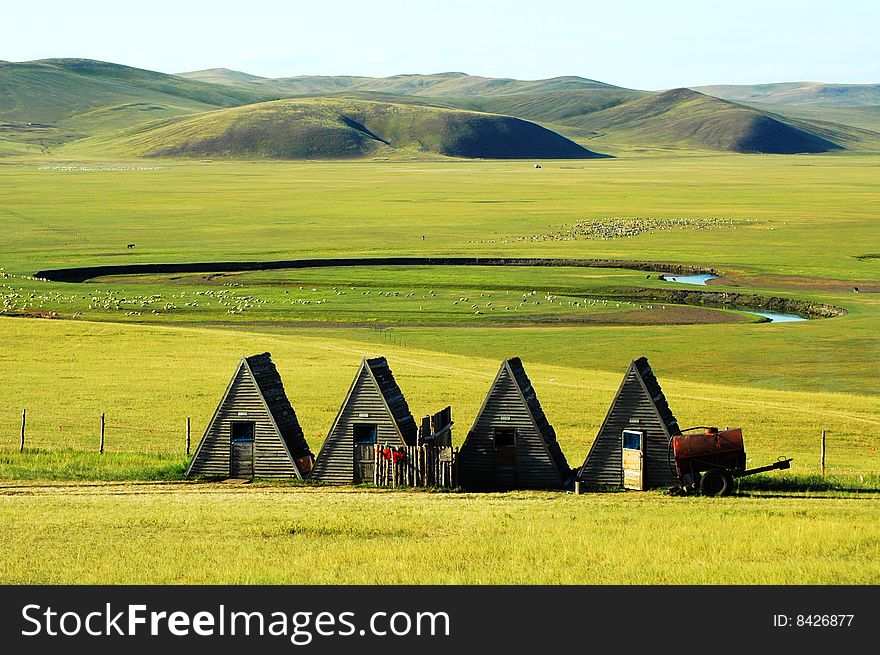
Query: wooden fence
(415, 466)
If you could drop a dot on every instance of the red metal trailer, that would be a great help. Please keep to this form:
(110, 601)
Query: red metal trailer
(709, 459)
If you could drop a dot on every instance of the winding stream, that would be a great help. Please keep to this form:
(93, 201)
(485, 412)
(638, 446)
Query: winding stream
(775, 317)
(685, 276)
(702, 279)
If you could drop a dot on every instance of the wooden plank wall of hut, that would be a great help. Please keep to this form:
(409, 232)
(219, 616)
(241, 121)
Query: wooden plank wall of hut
(504, 406)
(631, 409)
(335, 463)
(420, 466)
(243, 403)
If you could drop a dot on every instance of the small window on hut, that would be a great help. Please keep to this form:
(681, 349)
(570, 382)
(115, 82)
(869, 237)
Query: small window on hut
(632, 440)
(504, 437)
(243, 430)
(365, 433)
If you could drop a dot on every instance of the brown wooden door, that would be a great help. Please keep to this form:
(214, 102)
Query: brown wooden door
(364, 451)
(364, 462)
(505, 457)
(241, 456)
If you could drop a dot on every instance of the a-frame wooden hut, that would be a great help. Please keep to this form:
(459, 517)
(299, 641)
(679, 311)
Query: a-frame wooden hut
(632, 447)
(254, 431)
(374, 412)
(511, 444)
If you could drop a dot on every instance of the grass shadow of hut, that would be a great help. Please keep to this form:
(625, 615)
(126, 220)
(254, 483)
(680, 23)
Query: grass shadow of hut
(632, 448)
(511, 444)
(254, 431)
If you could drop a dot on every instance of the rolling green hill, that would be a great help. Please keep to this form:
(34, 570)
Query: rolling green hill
(321, 128)
(50, 90)
(584, 109)
(857, 105)
(571, 113)
(686, 118)
(44, 103)
(866, 117)
(549, 107)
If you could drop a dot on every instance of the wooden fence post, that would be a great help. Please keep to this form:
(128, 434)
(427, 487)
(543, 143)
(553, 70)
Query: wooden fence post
(377, 464)
(23, 417)
(187, 436)
(102, 434)
(822, 456)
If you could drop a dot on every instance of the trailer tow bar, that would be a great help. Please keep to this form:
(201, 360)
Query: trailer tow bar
(777, 465)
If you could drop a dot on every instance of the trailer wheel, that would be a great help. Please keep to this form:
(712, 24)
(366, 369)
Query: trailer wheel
(728, 484)
(716, 482)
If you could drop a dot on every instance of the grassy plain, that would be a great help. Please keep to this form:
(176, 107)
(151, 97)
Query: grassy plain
(783, 211)
(203, 533)
(63, 212)
(800, 225)
(148, 379)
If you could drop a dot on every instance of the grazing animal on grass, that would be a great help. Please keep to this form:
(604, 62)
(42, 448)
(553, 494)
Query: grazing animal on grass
(130, 246)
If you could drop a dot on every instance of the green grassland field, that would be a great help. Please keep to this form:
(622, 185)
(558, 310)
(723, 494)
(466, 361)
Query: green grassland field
(150, 351)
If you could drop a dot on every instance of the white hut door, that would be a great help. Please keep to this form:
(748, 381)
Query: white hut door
(633, 460)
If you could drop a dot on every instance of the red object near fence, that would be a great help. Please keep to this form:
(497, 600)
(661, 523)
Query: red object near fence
(712, 448)
(393, 455)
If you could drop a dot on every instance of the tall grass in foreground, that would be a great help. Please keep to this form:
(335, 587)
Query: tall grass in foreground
(78, 465)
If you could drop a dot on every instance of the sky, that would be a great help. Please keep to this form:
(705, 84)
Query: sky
(644, 45)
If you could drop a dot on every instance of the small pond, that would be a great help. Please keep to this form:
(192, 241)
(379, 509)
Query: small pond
(700, 279)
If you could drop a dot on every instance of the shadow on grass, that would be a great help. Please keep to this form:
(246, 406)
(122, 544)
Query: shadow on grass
(855, 484)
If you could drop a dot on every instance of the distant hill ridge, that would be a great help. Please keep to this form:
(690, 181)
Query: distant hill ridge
(431, 85)
(49, 103)
(172, 85)
(674, 119)
(799, 93)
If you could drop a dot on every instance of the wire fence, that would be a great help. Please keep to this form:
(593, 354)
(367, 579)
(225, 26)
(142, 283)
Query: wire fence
(51, 431)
